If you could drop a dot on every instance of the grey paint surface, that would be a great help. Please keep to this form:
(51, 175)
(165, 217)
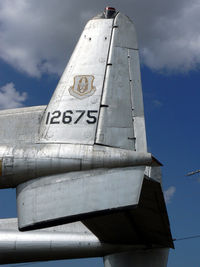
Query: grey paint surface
(14, 124)
(89, 58)
(102, 83)
(78, 194)
(122, 103)
(150, 258)
(61, 242)
(22, 163)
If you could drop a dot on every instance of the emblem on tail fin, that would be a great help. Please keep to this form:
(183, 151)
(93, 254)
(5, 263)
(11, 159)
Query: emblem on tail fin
(83, 86)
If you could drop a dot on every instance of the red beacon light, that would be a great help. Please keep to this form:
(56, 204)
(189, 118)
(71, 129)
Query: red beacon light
(109, 12)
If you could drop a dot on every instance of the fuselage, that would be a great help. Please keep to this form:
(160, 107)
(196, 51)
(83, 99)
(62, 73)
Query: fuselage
(21, 163)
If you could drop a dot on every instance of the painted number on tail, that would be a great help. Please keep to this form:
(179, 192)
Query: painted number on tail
(71, 117)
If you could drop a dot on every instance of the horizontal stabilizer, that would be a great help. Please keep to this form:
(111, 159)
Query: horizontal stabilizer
(77, 195)
(145, 224)
(120, 206)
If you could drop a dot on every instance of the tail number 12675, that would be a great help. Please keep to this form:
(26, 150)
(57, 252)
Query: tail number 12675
(71, 117)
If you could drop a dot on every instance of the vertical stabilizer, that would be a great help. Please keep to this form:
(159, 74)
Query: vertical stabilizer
(99, 96)
(121, 121)
(72, 114)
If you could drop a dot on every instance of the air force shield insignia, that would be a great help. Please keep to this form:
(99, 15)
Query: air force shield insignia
(83, 86)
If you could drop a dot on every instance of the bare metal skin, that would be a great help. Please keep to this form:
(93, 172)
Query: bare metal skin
(85, 184)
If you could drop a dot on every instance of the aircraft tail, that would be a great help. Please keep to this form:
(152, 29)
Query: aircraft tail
(97, 108)
(98, 99)
(87, 159)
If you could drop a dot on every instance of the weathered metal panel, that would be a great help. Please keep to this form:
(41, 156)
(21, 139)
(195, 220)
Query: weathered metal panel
(115, 126)
(20, 125)
(125, 33)
(20, 247)
(154, 172)
(139, 258)
(69, 241)
(140, 134)
(20, 164)
(77, 194)
(71, 116)
(121, 120)
(112, 201)
(135, 81)
(11, 224)
(145, 224)
(110, 136)
(137, 100)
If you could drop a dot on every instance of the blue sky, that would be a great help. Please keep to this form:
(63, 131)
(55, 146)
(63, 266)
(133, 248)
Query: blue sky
(30, 65)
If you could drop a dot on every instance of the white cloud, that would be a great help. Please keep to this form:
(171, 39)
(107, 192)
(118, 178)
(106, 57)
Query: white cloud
(10, 97)
(176, 41)
(38, 36)
(169, 193)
